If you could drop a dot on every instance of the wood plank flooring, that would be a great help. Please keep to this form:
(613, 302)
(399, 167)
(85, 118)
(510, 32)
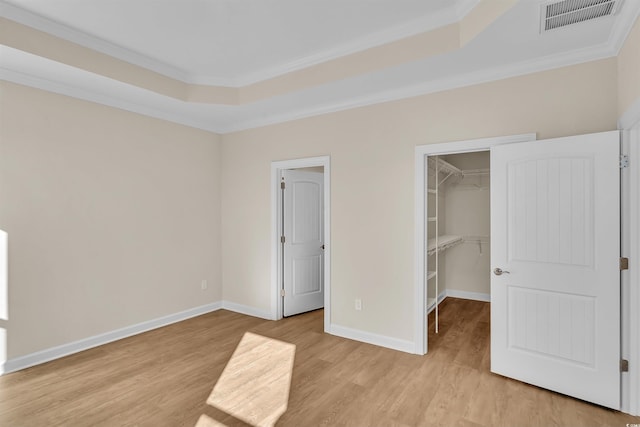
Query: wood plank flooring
(163, 378)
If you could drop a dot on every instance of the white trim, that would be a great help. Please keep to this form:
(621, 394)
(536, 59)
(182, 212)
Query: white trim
(428, 87)
(447, 16)
(475, 296)
(72, 35)
(420, 311)
(65, 89)
(629, 124)
(455, 13)
(174, 110)
(623, 26)
(634, 272)
(371, 338)
(276, 274)
(57, 352)
(246, 310)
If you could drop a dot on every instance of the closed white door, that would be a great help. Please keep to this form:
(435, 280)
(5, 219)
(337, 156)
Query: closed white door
(303, 241)
(555, 248)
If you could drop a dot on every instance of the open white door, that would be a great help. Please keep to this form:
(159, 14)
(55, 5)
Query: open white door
(303, 241)
(555, 249)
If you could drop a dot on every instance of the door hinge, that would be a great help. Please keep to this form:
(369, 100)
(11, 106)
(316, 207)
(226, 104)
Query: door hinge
(282, 184)
(624, 161)
(624, 365)
(282, 239)
(624, 263)
(282, 292)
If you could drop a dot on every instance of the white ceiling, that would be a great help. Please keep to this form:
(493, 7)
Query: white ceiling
(241, 41)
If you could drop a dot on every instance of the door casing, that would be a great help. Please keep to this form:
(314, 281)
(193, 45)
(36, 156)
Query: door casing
(629, 124)
(276, 231)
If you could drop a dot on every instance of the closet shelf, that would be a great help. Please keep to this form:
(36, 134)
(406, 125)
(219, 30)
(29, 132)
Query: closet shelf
(444, 166)
(444, 242)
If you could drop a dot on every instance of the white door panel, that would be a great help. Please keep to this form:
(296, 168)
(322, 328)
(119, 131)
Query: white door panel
(555, 228)
(303, 250)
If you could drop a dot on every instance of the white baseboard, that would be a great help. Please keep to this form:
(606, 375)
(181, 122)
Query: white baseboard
(248, 310)
(57, 352)
(476, 296)
(371, 338)
(26, 361)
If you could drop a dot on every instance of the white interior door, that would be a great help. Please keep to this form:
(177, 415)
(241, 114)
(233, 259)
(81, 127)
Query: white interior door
(303, 247)
(555, 233)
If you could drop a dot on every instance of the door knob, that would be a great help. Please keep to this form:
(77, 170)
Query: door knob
(498, 271)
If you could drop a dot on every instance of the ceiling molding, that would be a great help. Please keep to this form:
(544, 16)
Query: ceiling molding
(297, 111)
(456, 82)
(454, 13)
(67, 33)
(624, 25)
(38, 82)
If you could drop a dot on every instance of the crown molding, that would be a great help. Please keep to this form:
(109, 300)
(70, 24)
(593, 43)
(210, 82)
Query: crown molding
(170, 113)
(624, 25)
(452, 14)
(66, 89)
(72, 35)
(425, 88)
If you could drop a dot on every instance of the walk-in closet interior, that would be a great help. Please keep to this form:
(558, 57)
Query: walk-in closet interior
(458, 228)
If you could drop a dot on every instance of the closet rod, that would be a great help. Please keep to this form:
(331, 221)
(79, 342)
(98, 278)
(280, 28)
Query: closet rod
(473, 172)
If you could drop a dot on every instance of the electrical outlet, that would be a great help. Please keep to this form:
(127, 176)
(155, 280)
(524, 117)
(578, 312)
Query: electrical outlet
(358, 304)
(203, 284)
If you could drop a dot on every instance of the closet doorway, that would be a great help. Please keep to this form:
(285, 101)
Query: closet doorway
(555, 257)
(458, 229)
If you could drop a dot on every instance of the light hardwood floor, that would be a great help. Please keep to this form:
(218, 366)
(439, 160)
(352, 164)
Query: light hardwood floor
(163, 378)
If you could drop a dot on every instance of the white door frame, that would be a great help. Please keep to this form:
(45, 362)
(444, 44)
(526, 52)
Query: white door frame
(421, 151)
(629, 124)
(276, 248)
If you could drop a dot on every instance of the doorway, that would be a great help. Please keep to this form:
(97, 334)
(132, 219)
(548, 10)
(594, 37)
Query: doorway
(458, 228)
(302, 240)
(552, 200)
(421, 219)
(278, 170)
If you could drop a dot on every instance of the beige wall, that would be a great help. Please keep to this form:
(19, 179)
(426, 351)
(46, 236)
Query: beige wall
(113, 218)
(372, 181)
(468, 211)
(629, 70)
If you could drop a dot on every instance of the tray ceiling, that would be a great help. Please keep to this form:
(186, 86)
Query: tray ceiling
(227, 65)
